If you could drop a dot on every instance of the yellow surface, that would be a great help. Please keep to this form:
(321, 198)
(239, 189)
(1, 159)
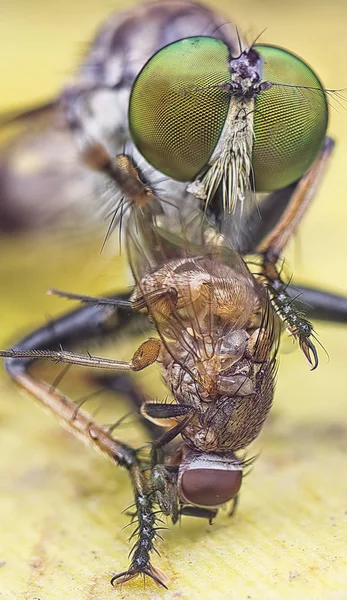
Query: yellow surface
(60, 502)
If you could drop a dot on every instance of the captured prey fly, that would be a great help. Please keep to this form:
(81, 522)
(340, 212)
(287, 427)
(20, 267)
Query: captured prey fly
(237, 137)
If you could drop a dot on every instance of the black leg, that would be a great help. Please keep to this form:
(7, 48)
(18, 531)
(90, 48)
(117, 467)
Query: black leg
(200, 512)
(319, 304)
(169, 435)
(85, 324)
(156, 410)
(159, 411)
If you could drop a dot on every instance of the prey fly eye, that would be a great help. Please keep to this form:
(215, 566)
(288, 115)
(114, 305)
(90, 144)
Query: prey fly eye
(210, 487)
(176, 116)
(290, 119)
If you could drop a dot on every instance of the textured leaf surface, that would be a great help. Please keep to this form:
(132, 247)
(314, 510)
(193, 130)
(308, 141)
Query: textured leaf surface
(61, 504)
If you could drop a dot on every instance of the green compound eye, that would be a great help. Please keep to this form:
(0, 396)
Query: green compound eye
(289, 122)
(177, 110)
(174, 123)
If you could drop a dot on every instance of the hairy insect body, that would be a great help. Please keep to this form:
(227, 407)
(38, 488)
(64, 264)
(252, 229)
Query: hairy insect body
(218, 351)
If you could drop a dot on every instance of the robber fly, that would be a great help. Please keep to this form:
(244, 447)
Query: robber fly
(196, 109)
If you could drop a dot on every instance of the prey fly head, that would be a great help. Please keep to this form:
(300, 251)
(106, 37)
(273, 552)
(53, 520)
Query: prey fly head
(209, 480)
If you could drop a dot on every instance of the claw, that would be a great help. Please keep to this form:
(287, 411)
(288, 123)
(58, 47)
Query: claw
(310, 352)
(153, 572)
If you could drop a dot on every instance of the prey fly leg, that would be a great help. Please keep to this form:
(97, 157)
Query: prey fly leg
(294, 320)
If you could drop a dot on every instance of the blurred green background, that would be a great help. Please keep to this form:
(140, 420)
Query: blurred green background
(61, 503)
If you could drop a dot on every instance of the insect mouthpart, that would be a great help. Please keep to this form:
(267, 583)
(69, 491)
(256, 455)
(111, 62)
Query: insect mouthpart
(209, 479)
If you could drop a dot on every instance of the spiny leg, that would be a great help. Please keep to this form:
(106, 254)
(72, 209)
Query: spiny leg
(83, 426)
(295, 321)
(87, 323)
(167, 415)
(144, 356)
(83, 324)
(273, 244)
(102, 318)
(269, 227)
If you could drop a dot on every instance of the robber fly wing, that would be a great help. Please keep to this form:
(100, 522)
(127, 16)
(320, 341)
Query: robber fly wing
(42, 182)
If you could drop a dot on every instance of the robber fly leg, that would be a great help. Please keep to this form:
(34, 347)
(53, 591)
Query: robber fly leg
(101, 318)
(76, 420)
(82, 424)
(163, 477)
(304, 191)
(295, 321)
(144, 356)
(272, 244)
(86, 323)
(146, 533)
(319, 304)
(117, 382)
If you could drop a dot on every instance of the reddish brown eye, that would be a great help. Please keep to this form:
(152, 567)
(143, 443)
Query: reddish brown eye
(210, 487)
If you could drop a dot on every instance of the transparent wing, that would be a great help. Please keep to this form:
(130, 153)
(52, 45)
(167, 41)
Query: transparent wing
(42, 182)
